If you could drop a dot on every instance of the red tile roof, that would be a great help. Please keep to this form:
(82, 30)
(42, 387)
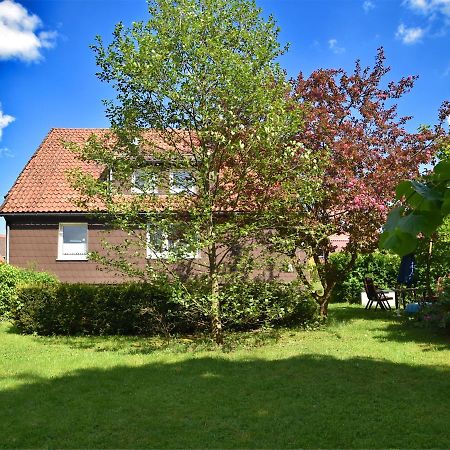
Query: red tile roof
(42, 185)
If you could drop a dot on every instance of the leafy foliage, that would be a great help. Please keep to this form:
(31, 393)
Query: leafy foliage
(423, 204)
(198, 90)
(158, 308)
(437, 313)
(12, 278)
(382, 267)
(351, 122)
(440, 256)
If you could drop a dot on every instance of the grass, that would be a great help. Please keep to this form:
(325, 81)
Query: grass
(364, 381)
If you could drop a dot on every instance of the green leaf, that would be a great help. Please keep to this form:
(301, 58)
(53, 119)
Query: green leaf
(393, 219)
(425, 222)
(426, 192)
(398, 241)
(403, 189)
(442, 170)
(446, 206)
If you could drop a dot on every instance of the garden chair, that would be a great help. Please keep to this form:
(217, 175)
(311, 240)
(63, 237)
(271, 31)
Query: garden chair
(375, 295)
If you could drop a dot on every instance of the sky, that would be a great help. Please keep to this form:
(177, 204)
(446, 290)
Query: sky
(47, 70)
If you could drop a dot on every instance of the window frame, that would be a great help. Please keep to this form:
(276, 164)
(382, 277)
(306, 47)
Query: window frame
(61, 256)
(175, 189)
(136, 190)
(166, 246)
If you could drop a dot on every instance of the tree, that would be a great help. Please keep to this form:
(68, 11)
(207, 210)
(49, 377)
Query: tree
(351, 129)
(199, 94)
(422, 205)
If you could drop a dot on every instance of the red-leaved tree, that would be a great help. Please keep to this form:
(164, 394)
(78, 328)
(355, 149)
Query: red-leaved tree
(352, 128)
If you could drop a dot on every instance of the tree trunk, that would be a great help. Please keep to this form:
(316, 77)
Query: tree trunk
(324, 301)
(329, 278)
(216, 321)
(323, 309)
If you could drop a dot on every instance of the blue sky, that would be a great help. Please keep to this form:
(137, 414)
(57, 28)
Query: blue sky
(47, 71)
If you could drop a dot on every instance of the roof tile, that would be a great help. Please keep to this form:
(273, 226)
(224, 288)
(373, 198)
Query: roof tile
(42, 186)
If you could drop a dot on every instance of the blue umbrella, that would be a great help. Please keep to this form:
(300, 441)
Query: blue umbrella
(407, 268)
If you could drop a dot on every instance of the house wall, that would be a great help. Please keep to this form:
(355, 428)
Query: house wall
(33, 243)
(2, 247)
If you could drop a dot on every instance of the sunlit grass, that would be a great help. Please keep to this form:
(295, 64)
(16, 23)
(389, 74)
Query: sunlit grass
(364, 381)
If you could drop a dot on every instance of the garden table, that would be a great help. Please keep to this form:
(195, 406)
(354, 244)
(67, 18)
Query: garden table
(402, 294)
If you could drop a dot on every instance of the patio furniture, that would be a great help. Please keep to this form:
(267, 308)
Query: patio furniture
(406, 295)
(375, 295)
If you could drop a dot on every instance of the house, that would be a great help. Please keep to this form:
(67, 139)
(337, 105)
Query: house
(48, 230)
(42, 222)
(45, 227)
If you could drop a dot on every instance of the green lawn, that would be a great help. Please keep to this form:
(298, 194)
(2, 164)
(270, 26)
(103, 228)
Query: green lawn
(365, 381)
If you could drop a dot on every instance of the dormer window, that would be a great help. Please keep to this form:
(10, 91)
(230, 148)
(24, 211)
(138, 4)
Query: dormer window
(144, 182)
(182, 182)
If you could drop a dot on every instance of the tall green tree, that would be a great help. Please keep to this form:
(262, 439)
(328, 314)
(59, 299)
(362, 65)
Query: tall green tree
(201, 96)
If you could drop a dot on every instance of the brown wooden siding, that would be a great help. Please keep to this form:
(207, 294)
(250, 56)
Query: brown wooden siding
(34, 244)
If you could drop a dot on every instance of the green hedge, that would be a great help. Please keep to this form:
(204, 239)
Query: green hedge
(11, 278)
(148, 309)
(382, 267)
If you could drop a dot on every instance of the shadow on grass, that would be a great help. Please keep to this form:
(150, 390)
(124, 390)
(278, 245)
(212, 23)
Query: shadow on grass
(217, 403)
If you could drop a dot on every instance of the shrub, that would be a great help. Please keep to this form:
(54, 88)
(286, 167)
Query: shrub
(160, 308)
(437, 314)
(71, 309)
(11, 278)
(247, 305)
(382, 267)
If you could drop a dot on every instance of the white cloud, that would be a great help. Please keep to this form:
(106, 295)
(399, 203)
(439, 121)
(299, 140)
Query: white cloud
(19, 35)
(368, 5)
(334, 47)
(419, 5)
(6, 153)
(409, 35)
(5, 120)
(429, 6)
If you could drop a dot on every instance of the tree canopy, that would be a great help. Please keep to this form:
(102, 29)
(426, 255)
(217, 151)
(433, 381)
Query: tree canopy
(352, 126)
(199, 93)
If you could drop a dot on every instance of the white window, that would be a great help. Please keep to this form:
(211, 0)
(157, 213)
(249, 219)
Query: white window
(182, 182)
(161, 245)
(72, 241)
(144, 182)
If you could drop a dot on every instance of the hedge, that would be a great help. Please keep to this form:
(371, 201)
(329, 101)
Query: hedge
(382, 267)
(11, 278)
(149, 309)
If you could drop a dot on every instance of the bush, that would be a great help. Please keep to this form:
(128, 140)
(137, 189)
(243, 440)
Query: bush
(11, 278)
(161, 308)
(73, 309)
(382, 267)
(248, 305)
(440, 258)
(437, 314)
